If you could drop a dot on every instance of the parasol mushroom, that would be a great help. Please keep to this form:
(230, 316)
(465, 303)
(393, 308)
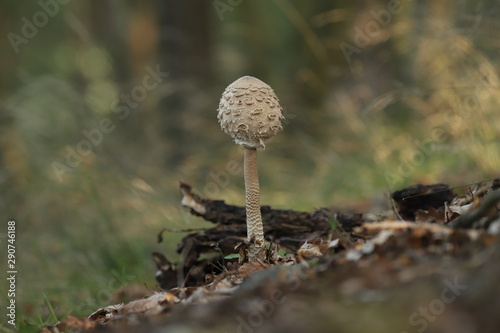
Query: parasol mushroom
(250, 113)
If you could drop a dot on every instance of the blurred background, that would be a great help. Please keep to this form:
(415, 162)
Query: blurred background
(106, 105)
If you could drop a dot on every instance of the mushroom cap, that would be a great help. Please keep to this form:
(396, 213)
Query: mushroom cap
(249, 111)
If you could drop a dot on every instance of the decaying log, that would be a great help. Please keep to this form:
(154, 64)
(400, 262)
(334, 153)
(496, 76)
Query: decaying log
(288, 228)
(421, 197)
(475, 209)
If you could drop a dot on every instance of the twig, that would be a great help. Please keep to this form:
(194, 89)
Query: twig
(467, 220)
(393, 206)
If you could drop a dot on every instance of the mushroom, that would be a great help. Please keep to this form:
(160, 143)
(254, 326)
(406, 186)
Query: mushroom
(250, 113)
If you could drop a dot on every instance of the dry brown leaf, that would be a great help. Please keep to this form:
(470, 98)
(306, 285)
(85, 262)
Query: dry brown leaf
(430, 216)
(153, 304)
(70, 324)
(248, 268)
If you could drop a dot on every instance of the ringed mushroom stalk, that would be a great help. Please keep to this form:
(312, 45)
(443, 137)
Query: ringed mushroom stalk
(249, 111)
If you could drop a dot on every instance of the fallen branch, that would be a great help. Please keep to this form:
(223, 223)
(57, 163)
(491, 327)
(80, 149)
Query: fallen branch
(375, 228)
(288, 228)
(469, 219)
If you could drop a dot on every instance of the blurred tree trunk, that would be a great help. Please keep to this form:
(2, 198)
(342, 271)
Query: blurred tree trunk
(185, 38)
(185, 53)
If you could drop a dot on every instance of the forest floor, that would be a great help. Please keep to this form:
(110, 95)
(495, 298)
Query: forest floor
(430, 265)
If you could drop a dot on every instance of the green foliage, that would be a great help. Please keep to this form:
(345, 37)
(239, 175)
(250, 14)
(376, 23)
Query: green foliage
(334, 224)
(232, 256)
(53, 315)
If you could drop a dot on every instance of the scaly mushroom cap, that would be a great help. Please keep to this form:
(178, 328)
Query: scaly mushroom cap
(249, 112)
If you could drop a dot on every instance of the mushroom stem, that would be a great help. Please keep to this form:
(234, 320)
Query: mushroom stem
(255, 229)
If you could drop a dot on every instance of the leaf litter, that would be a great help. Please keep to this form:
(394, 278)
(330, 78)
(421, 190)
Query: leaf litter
(432, 263)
